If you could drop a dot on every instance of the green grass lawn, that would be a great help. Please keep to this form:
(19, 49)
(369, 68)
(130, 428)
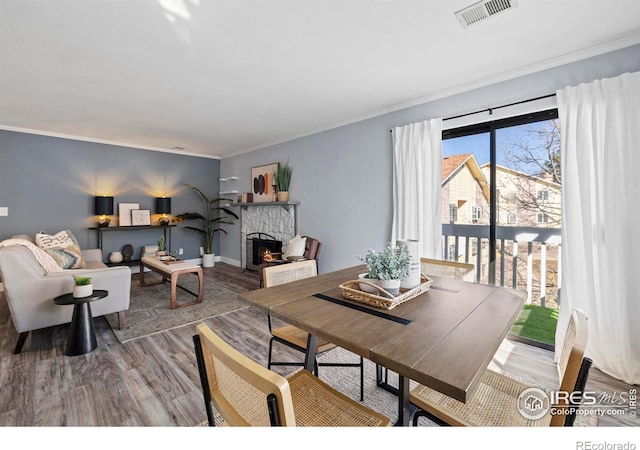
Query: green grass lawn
(536, 323)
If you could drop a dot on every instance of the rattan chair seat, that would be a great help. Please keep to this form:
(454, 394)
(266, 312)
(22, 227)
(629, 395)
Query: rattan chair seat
(494, 404)
(316, 404)
(299, 337)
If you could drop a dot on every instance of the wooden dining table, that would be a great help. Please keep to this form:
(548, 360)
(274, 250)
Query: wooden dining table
(443, 338)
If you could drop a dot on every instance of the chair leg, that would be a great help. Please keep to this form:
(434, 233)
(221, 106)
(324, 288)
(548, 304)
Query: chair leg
(21, 340)
(270, 350)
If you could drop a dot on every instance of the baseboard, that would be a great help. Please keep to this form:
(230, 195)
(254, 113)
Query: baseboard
(231, 261)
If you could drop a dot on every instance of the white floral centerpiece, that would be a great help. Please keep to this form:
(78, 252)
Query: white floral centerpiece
(386, 268)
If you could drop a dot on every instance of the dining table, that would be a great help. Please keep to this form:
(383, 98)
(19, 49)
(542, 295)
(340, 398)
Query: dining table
(443, 338)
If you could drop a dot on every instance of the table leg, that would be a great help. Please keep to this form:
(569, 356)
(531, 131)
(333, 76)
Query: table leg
(82, 334)
(141, 274)
(310, 355)
(404, 407)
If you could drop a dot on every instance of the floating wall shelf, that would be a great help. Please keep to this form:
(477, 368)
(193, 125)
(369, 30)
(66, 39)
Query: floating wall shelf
(227, 178)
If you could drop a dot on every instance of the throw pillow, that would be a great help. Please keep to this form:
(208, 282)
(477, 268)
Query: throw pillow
(63, 247)
(295, 247)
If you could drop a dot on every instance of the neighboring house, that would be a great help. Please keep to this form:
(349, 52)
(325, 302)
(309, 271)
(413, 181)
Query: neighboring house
(525, 200)
(465, 191)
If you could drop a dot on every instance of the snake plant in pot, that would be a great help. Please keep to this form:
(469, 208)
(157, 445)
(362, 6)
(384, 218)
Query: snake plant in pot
(211, 219)
(283, 179)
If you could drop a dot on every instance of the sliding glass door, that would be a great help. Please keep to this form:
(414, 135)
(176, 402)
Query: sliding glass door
(501, 186)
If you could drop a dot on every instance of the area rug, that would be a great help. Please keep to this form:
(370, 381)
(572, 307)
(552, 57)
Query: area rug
(150, 307)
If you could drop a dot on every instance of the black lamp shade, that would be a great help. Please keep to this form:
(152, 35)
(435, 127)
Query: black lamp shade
(103, 206)
(163, 205)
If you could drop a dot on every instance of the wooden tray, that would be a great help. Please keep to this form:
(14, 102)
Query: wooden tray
(351, 291)
(173, 261)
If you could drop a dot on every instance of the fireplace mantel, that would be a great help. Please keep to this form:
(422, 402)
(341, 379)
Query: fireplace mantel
(285, 205)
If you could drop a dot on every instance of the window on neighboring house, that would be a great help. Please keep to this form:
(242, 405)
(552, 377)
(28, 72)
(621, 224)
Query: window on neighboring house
(543, 194)
(476, 213)
(512, 197)
(453, 213)
(512, 218)
(542, 217)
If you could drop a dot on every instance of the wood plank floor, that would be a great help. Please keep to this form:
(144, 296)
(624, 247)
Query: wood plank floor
(153, 381)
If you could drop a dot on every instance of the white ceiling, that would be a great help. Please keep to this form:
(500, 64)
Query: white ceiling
(219, 78)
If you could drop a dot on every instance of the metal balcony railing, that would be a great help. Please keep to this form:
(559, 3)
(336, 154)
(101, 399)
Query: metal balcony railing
(528, 258)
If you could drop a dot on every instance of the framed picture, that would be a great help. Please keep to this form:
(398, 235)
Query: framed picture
(124, 213)
(263, 183)
(140, 217)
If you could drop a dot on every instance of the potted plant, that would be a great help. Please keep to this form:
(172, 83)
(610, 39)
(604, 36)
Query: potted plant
(162, 247)
(386, 268)
(210, 220)
(82, 286)
(283, 179)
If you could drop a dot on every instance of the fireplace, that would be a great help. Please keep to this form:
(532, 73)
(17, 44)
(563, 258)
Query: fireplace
(261, 247)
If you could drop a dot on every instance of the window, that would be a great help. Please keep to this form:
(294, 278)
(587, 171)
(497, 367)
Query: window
(512, 218)
(453, 213)
(542, 217)
(543, 195)
(476, 213)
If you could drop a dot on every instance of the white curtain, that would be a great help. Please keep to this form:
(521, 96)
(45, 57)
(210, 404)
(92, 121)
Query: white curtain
(600, 150)
(417, 185)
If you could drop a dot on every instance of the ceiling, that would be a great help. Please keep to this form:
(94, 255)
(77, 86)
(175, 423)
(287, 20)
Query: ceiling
(219, 78)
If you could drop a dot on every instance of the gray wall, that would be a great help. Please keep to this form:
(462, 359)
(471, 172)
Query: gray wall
(342, 177)
(48, 184)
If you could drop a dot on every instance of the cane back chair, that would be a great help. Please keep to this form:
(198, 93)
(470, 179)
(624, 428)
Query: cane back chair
(244, 393)
(291, 336)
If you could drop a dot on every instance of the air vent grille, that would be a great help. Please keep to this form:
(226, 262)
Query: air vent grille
(481, 11)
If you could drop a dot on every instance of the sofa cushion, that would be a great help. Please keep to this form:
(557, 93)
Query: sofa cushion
(63, 247)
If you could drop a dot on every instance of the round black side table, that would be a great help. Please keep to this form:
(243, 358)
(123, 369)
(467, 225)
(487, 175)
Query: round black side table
(82, 334)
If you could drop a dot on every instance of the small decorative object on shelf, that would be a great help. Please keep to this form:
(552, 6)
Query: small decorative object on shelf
(116, 257)
(82, 286)
(127, 252)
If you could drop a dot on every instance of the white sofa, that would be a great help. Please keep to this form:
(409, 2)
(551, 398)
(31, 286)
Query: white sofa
(30, 290)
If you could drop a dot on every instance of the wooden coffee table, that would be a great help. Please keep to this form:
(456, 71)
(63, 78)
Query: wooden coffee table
(172, 271)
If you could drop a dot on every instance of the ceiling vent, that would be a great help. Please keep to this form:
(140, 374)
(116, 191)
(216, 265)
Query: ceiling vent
(481, 11)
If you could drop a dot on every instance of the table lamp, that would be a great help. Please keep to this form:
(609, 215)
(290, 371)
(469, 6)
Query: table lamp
(163, 206)
(103, 207)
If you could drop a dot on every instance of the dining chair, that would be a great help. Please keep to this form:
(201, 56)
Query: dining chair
(292, 336)
(245, 393)
(495, 401)
(448, 269)
(312, 249)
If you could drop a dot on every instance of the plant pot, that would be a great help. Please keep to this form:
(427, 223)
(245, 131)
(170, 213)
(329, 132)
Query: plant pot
(82, 291)
(366, 287)
(391, 286)
(208, 260)
(161, 253)
(283, 196)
